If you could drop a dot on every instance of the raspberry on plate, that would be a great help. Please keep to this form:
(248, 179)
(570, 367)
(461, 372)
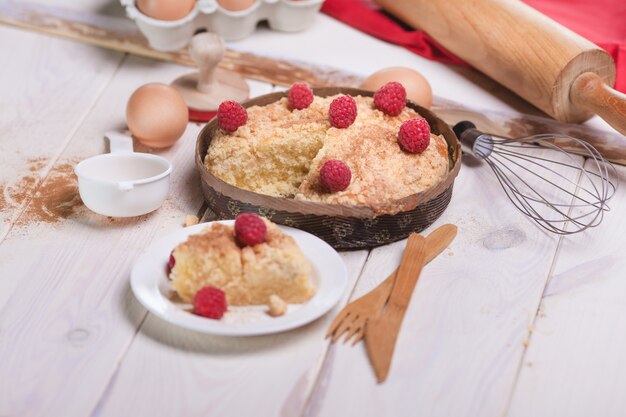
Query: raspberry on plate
(414, 135)
(335, 176)
(210, 302)
(250, 229)
(342, 112)
(300, 96)
(171, 262)
(390, 98)
(231, 116)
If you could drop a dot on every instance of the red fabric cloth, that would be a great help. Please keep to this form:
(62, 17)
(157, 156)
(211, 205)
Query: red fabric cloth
(603, 22)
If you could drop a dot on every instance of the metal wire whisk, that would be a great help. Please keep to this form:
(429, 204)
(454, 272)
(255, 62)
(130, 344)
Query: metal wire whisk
(564, 192)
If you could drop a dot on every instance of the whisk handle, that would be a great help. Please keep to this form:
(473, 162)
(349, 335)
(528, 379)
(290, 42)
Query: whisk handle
(479, 143)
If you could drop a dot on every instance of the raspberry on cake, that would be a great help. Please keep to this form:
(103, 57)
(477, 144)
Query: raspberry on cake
(342, 112)
(171, 262)
(231, 116)
(414, 135)
(210, 302)
(335, 176)
(390, 98)
(248, 275)
(250, 229)
(300, 96)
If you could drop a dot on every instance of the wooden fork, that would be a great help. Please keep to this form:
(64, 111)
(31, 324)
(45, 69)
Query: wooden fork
(353, 318)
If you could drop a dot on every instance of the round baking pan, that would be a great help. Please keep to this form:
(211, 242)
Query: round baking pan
(342, 226)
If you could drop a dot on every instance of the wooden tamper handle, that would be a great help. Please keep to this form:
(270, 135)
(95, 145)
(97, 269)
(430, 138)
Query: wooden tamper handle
(207, 50)
(590, 92)
(206, 89)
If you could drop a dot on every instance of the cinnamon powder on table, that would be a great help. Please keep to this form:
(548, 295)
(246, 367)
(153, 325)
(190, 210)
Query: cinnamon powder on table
(56, 198)
(12, 196)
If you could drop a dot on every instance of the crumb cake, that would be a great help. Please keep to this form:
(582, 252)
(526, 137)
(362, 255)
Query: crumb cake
(280, 151)
(248, 275)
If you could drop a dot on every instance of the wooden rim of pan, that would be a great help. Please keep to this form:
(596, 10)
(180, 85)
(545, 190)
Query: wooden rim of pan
(410, 202)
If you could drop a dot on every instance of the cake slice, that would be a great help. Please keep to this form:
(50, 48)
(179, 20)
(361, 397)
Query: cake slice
(248, 275)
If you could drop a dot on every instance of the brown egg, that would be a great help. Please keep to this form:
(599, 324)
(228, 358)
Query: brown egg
(157, 115)
(417, 87)
(166, 9)
(236, 5)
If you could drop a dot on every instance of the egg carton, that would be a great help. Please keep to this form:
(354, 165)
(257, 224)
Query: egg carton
(283, 15)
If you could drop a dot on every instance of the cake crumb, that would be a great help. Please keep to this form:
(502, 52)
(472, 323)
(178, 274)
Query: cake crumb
(190, 220)
(277, 306)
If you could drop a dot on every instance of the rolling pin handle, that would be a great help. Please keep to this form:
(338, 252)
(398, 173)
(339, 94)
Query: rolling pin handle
(590, 92)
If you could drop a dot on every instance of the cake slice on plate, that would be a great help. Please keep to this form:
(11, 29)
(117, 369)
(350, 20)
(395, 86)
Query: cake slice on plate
(250, 262)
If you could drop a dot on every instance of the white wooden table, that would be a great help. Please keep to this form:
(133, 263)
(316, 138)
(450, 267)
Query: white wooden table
(531, 325)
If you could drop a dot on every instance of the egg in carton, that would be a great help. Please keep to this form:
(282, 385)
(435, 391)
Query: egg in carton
(171, 35)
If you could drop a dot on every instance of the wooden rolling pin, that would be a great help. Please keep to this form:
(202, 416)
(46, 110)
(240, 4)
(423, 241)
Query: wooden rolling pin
(550, 66)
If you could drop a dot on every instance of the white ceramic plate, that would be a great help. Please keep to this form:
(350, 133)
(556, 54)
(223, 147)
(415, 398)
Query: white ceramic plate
(152, 288)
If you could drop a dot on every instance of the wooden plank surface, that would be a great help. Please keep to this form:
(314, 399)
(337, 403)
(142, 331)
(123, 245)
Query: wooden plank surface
(67, 312)
(574, 365)
(74, 342)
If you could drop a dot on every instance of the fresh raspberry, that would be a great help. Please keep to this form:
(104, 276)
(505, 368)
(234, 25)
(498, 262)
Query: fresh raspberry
(231, 116)
(171, 263)
(342, 112)
(335, 176)
(390, 98)
(210, 302)
(250, 229)
(414, 135)
(300, 96)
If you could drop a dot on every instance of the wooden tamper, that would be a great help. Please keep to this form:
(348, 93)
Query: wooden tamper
(203, 91)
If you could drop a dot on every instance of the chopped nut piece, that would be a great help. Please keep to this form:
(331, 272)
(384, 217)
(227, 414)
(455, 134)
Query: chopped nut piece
(190, 220)
(277, 306)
